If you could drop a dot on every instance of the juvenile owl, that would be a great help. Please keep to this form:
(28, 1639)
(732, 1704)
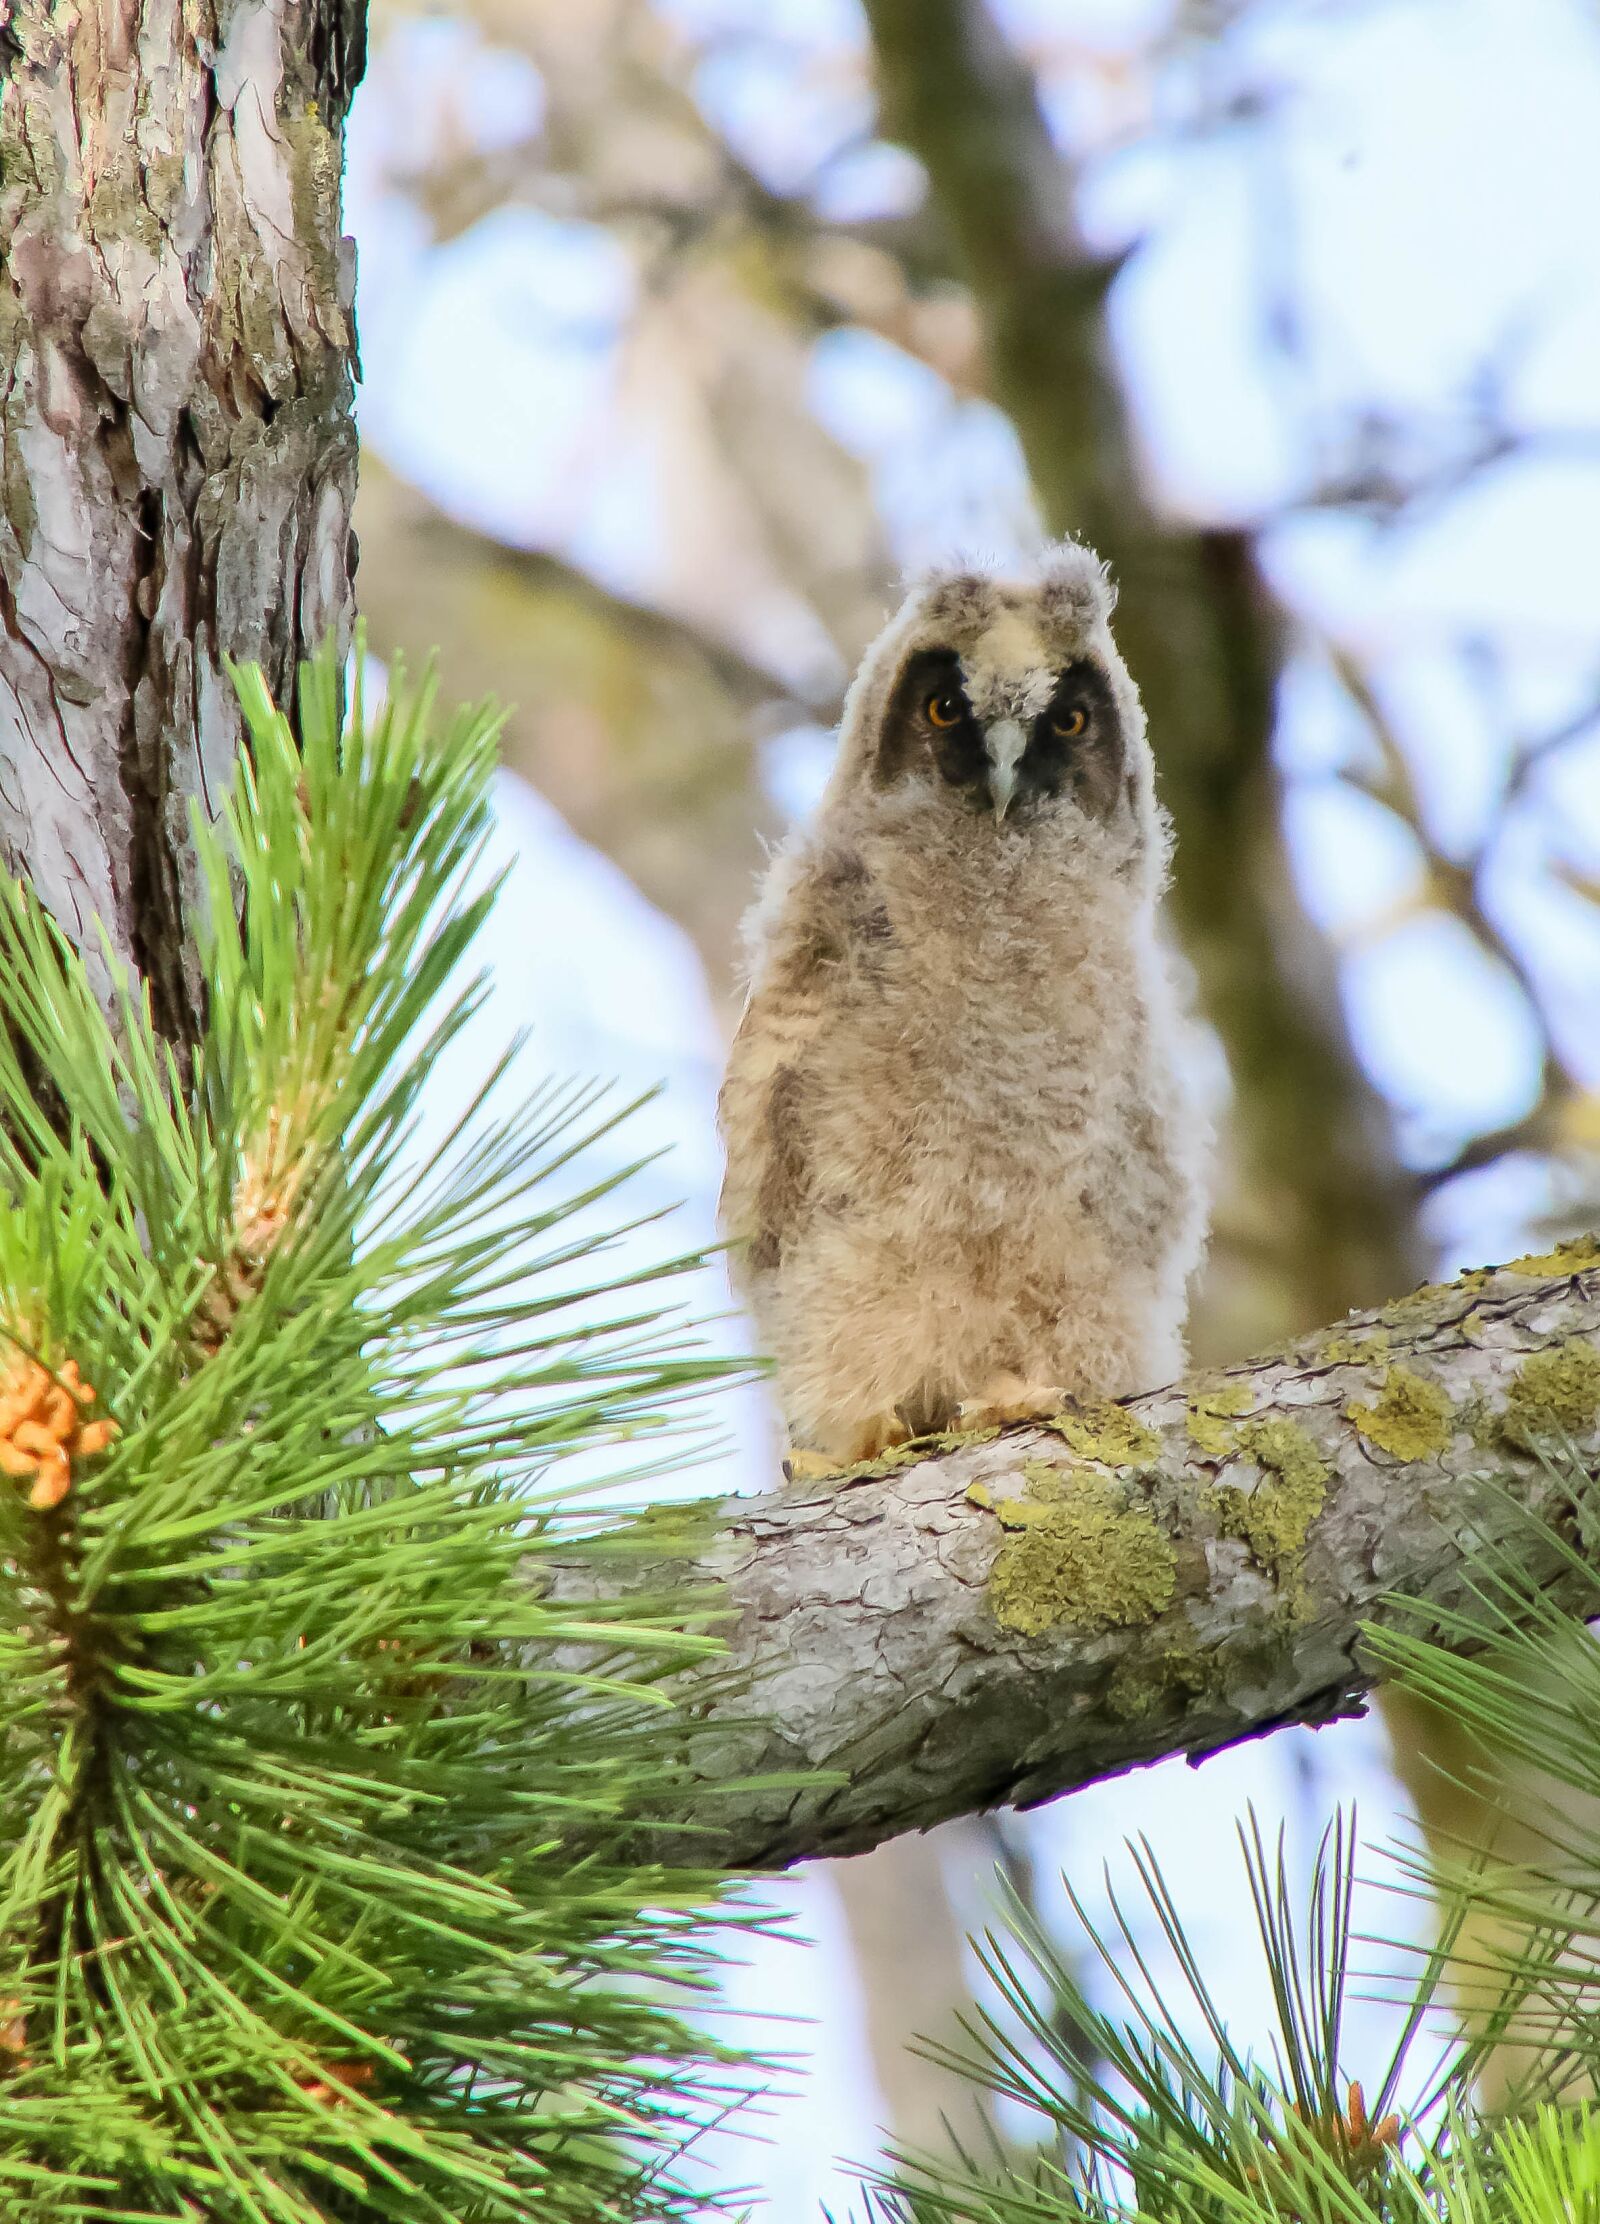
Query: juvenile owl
(962, 1170)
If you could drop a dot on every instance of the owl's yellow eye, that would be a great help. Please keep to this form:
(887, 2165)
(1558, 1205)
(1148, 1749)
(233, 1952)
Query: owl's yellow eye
(945, 708)
(1069, 724)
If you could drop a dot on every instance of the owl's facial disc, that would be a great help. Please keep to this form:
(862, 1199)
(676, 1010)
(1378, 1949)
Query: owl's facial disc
(1076, 746)
(1008, 741)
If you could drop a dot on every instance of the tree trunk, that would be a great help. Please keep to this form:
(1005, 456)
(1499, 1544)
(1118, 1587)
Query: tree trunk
(177, 456)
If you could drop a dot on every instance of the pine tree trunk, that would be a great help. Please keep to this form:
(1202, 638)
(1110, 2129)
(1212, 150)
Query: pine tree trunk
(177, 456)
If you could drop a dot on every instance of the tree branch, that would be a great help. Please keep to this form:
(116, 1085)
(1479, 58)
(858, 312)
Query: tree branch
(999, 1621)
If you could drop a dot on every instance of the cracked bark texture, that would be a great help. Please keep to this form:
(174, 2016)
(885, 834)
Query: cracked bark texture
(1207, 1581)
(177, 457)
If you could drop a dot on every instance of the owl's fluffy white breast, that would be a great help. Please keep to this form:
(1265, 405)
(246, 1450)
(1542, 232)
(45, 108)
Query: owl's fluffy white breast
(999, 999)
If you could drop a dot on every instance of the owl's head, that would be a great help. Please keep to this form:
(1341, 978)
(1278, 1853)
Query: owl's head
(1002, 694)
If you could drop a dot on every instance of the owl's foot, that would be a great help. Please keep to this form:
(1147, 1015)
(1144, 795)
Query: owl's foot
(801, 1466)
(881, 1434)
(1008, 1398)
(871, 1439)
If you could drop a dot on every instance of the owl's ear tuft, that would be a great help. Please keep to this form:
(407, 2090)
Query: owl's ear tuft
(958, 599)
(1075, 589)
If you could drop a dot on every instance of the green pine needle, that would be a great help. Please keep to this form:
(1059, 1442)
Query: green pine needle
(290, 1743)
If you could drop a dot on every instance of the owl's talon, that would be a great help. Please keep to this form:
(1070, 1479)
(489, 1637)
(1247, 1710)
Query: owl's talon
(808, 1467)
(881, 1434)
(1009, 1399)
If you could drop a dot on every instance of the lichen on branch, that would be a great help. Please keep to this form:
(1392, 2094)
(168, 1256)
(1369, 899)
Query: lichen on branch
(999, 1618)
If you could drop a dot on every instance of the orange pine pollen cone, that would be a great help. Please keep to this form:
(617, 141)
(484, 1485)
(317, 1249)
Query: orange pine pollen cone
(43, 1429)
(339, 2080)
(1366, 2139)
(1353, 2138)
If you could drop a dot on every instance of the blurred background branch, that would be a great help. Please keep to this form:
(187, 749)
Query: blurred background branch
(688, 322)
(1201, 632)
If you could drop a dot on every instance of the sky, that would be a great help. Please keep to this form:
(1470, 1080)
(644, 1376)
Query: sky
(1400, 220)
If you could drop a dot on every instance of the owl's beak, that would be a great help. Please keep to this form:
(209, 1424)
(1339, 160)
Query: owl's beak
(1005, 741)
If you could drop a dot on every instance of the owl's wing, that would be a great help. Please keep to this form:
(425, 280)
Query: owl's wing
(822, 924)
(762, 1114)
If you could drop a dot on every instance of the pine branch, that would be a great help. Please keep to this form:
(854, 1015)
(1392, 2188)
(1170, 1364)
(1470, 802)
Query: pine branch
(286, 1750)
(310, 1688)
(1000, 1621)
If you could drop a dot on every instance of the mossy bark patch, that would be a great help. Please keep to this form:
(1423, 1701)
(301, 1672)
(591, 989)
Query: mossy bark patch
(1411, 1417)
(1275, 1518)
(1078, 1554)
(1578, 1255)
(1338, 1351)
(1407, 1311)
(1553, 1394)
(1209, 1414)
(1102, 1430)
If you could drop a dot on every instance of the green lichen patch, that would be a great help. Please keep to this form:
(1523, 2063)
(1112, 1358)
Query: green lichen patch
(1481, 1421)
(1553, 1394)
(914, 1449)
(898, 1455)
(1209, 1413)
(1274, 1519)
(1577, 1255)
(1179, 1672)
(1430, 1296)
(1360, 1351)
(1047, 1486)
(118, 209)
(1099, 1429)
(1411, 1416)
(16, 488)
(313, 176)
(164, 185)
(1136, 1691)
(16, 491)
(1080, 1556)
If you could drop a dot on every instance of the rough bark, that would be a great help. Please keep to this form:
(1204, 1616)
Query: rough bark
(1202, 637)
(999, 1621)
(177, 458)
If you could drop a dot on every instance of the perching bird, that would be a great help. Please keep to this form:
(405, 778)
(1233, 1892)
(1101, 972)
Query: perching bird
(963, 1172)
